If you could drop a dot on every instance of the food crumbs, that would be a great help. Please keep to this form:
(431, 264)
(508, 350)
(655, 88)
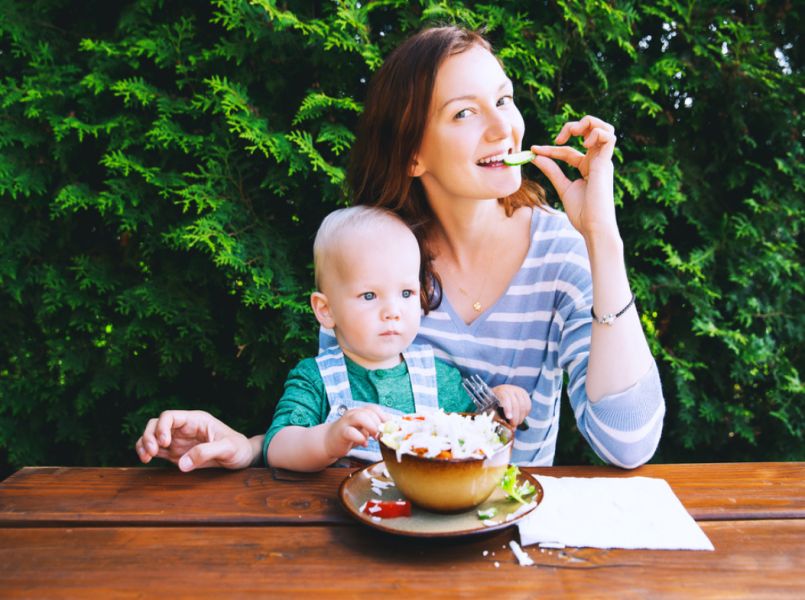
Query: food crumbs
(497, 565)
(522, 556)
(486, 552)
(552, 545)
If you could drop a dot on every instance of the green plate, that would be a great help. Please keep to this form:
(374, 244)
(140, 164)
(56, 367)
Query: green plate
(357, 489)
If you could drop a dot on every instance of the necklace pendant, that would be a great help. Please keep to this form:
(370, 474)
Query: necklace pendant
(476, 306)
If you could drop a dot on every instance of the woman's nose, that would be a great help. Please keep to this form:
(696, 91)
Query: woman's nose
(498, 126)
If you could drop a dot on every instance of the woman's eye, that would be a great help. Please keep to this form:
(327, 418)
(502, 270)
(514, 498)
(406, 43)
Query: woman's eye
(407, 293)
(369, 295)
(462, 114)
(505, 100)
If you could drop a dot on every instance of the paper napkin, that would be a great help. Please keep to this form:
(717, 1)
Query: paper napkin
(603, 512)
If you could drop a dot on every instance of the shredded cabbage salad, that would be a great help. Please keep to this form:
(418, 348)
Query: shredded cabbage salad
(443, 435)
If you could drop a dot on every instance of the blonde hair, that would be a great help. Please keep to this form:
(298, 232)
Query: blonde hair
(345, 223)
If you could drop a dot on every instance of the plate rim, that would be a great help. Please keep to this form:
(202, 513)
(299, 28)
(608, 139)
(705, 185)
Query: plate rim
(380, 526)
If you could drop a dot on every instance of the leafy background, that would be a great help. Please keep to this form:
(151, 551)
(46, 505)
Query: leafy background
(164, 166)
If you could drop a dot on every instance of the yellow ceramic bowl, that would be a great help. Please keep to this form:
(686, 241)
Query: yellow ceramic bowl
(449, 486)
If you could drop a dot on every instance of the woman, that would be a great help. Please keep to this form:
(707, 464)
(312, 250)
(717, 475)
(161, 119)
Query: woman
(510, 283)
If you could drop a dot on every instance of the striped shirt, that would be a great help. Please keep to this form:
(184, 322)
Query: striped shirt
(537, 331)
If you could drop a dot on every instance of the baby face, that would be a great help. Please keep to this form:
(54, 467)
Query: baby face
(372, 289)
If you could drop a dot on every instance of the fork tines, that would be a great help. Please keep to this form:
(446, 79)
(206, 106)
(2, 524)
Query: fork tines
(482, 396)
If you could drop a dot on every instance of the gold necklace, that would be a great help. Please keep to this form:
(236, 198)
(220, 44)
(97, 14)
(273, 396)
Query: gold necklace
(476, 306)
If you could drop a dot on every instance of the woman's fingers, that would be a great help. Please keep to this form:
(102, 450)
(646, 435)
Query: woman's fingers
(603, 139)
(551, 170)
(564, 153)
(581, 127)
(207, 454)
(165, 425)
(144, 455)
(148, 438)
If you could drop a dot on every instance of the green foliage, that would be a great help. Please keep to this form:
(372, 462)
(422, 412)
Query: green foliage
(164, 166)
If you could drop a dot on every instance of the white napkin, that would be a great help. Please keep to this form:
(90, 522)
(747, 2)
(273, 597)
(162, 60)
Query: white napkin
(603, 512)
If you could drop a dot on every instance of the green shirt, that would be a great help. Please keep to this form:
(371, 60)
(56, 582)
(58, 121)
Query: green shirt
(304, 401)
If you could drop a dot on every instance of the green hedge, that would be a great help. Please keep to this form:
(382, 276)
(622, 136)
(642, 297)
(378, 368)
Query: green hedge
(164, 166)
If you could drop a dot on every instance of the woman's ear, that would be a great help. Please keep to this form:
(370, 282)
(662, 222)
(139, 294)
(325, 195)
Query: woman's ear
(415, 169)
(321, 308)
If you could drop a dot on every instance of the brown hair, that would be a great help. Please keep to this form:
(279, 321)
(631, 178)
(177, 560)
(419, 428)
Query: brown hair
(390, 133)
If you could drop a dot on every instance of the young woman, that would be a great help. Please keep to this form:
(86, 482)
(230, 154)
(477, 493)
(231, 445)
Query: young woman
(517, 292)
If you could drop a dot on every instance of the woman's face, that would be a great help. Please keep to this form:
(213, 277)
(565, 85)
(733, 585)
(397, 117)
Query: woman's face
(472, 123)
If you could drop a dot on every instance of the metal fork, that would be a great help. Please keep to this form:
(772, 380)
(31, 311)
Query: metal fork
(484, 398)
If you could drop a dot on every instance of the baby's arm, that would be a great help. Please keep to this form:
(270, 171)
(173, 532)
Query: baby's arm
(515, 401)
(314, 448)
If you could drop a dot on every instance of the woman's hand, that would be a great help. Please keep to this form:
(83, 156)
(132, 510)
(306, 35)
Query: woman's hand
(515, 402)
(588, 201)
(194, 440)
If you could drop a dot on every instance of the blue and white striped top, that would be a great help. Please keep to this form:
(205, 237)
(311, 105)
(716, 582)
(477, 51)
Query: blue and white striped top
(539, 329)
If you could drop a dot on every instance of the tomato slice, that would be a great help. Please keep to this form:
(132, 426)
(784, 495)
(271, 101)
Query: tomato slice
(387, 509)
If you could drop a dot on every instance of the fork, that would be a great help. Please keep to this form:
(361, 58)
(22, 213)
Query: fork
(484, 398)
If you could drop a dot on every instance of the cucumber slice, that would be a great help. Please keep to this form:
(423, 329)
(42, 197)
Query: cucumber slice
(518, 158)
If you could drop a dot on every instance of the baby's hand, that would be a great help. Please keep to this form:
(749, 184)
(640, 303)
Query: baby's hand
(354, 428)
(515, 402)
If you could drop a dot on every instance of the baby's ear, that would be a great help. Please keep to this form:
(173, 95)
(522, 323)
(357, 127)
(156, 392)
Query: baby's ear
(321, 308)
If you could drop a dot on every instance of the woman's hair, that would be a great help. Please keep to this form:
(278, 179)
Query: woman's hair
(390, 133)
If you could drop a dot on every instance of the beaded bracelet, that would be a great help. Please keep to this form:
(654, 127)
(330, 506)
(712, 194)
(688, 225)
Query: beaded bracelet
(609, 318)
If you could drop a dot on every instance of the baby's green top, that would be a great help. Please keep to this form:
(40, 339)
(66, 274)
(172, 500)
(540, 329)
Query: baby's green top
(304, 401)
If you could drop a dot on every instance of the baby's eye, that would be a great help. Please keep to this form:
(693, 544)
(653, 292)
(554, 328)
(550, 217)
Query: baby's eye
(407, 293)
(369, 295)
(505, 100)
(462, 114)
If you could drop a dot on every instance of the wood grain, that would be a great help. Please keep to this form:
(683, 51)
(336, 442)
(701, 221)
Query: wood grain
(69, 495)
(97, 496)
(753, 559)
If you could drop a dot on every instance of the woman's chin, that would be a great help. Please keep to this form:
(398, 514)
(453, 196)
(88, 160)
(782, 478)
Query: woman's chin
(509, 184)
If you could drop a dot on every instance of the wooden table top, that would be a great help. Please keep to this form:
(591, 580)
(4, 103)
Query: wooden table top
(109, 532)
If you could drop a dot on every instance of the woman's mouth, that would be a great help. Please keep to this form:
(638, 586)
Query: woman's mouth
(494, 160)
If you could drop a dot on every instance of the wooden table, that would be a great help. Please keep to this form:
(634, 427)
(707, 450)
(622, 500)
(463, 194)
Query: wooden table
(135, 532)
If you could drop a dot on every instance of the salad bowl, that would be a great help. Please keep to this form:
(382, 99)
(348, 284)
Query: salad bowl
(444, 483)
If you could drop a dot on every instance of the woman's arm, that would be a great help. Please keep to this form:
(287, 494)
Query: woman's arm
(619, 353)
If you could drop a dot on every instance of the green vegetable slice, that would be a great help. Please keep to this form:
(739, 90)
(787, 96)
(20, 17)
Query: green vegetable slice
(509, 485)
(487, 513)
(518, 158)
